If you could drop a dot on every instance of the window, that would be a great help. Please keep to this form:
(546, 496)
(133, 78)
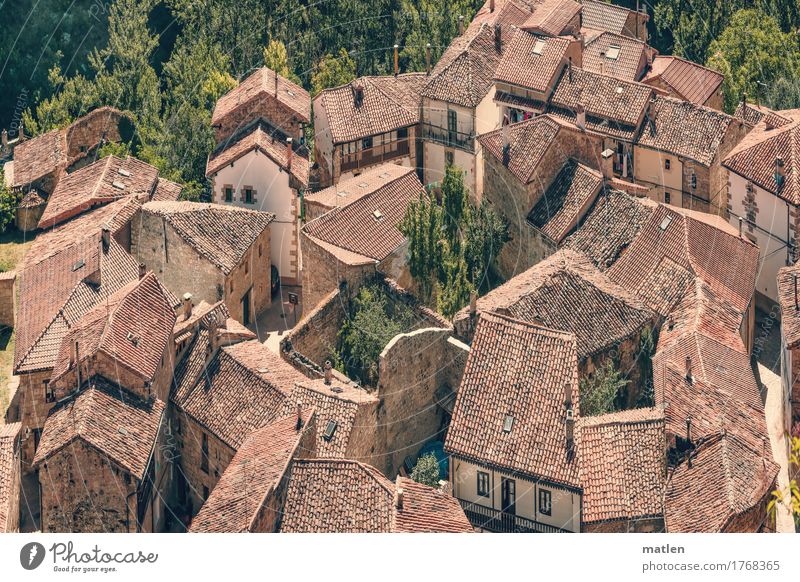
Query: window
(449, 158)
(483, 484)
(452, 120)
(666, 197)
(205, 493)
(613, 52)
(231, 286)
(248, 195)
(260, 250)
(694, 181)
(49, 393)
(538, 46)
(228, 193)
(402, 133)
(545, 502)
(366, 143)
(204, 454)
(246, 267)
(666, 164)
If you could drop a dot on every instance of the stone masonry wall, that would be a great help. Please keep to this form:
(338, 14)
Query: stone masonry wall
(273, 111)
(252, 274)
(7, 303)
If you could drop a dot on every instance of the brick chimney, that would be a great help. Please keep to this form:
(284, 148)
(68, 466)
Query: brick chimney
(328, 373)
(568, 395)
(491, 5)
(461, 25)
(187, 305)
(569, 425)
(358, 94)
(780, 171)
(276, 83)
(498, 38)
(299, 423)
(428, 58)
(105, 237)
(289, 153)
(580, 116)
(398, 498)
(21, 132)
(506, 140)
(142, 270)
(607, 164)
(689, 368)
(473, 303)
(213, 337)
(396, 60)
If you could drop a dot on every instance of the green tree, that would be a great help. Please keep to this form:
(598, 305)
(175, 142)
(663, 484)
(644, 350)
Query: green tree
(333, 71)
(599, 393)
(9, 202)
(456, 287)
(454, 205)
(790, 497)
(75, 96)
(485, 235)
(647, 349)
(375, 320)
(421, 225)
(426, 471)
(277, 59)
(752, 52)
(430, 21)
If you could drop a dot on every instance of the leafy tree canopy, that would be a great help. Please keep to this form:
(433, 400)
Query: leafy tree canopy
(426, 471)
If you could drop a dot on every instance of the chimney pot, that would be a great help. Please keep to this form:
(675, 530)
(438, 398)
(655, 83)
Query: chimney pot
(21, 132)
(428, 58)
(689, 368)
(498, 37)
(461, 25)
(580, 116)
(396, 60)
(276, 83)
(607, 164)
(187, 305)
(398, 498)
(569, 424)
(741, 221)
(473, 303)
(105, 237)
(568, 395)
(142, 270)
(5, 139)
(328, 373)
(289, 153)
(358, 94)
(299, 423)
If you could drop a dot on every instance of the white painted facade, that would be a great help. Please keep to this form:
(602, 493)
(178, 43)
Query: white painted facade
(772, 231)
(271, 193)
(565, 506)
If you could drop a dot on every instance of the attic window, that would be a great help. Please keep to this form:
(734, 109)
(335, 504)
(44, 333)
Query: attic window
(262, 370)
(612, 53)
(118, 185)
(363, 185)
(378, 215)
(122, 431)
(329, 430)
(538, 46)
(78, 265)
(123, 172)
(508, 423)
(342, 193)
(666, 222)
(336, 389)
(290, 93)
(134, 339)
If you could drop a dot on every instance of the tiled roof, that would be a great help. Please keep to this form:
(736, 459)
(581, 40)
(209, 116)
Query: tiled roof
(789, 298)
(388, 103)
(132, 327)
(750, 113)
(551, 17)
(32, 199)
(519, 371)
(253, 474)
(685, 129)
(566, 200)
(465, 73)
(535, 71)
(506, 12)
(529, 140)
(613, 106)
(37, 157)
(688, 80)
(166, 191)
(338, 403)
(727, 479)
(674, 246)
(120, 426)
(242, 388)
(55, 292)
(220, 233)
(601, 15)
(549, 292)
(609, 227)
(258, 137)
(9, 433)
(622, 464)
(754, 158)
(261, 85)
(327, 496)
(629, 62)
(101, 182)
(368, 225)
(349, 190)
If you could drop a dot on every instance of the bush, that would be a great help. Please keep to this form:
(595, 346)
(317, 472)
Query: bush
(599, 394)
(426, 471)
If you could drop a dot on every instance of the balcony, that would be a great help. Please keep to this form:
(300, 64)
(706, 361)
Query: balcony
(375, 155)
(497, 521)
(452, 139)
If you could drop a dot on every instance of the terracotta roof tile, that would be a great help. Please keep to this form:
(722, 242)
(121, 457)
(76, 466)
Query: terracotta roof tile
(629, 62)
(750, 113)
(726, 480)
(222, 234)
(254, 473)
(789, 298)
(369, 226)
(272, 144)
(261, 85)
(622, 465)
(166, 191)
(98, 183)
(685, 129)
(349, 190)
(9, 468)
(535, 71)
(548, 293)
(40, 156)
(388, 103)
(428, 510)
(120, 426)
(242, 388)
(566, 200)
(517, 370)
(141, 310)
(551, 17)
(601, 15)
(675, 246)
(688, 80)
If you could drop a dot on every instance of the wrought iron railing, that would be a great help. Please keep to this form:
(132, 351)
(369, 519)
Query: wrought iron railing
(374, 155)
(448, 138)
(502, 522)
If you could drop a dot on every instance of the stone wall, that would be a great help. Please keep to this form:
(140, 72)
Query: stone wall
(651, 525)
(13, 491)
(104, 123)
(413, 366)
(31, 408)
(795, 380)
(7, 302)
(27, 217)
(82, 491)
(253, 275)
(265, 107)
(310, 343)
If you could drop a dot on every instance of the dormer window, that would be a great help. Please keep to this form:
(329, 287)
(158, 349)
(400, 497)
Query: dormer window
(612, 54)
(538, 46)
(508, 423)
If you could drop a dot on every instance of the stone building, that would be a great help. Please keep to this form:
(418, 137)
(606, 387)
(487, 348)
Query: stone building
(212, 251)
(514, 465)
(10, 475)
(567, 292)
(686, 80)
(260, 169)
(359, 233)
(8, 304)
(263, 95)
(344, 496)
(367, 122)
(762, 196)
(623, 471)
(789, 290)
(251, 493)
